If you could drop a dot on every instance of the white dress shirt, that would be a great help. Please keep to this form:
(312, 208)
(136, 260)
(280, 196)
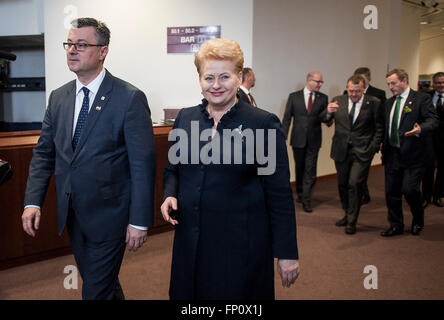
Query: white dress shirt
(357, 108)
(93, 87)
(435, 98)
(307, 96)
(404, 96)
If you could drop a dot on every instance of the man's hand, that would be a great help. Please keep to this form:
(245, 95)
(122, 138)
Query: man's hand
(31, 220)
(332, 107)
(169, 204)
(135, 238)
(288, 270)
(416, 130)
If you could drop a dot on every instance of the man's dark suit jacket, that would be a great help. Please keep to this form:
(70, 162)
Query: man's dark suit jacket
(306, 127)
(366, 133)
(419, 109)
(439, 132)
(243, 96)
(110, 176)
(375, 92)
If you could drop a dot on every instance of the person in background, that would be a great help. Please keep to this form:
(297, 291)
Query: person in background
(359, 130)
(433, 187)
(248, 82)
(304, 107)
(410, 116)
(375, 92)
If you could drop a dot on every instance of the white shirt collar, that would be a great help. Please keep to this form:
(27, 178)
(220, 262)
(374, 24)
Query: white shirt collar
(350, 102)
(405, 94)
(306, 91)
(94, 85)
(244, 89)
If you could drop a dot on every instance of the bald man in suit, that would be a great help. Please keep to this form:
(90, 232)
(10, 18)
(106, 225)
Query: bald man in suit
(304, 107)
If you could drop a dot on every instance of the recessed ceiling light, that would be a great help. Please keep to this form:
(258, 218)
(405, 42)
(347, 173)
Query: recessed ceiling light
(423, 22)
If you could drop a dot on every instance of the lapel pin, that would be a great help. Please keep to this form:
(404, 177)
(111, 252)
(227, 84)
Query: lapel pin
(102, 98)
(238, 129)
(98, 108)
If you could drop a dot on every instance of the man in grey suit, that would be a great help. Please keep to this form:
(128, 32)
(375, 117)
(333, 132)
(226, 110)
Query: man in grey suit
(97, 139)
(359, 129)
(305, 106)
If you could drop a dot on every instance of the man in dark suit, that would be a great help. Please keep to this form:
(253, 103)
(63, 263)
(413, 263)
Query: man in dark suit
(97, 138)
(410, 116)
(431, 186)
(374, 92)
(248, 82)
(359, 129)
(305, 106)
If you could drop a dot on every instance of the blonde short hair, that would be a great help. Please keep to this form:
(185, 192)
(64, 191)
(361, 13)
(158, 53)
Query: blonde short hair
(220, 49)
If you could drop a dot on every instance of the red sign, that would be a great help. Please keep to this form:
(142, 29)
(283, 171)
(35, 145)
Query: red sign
(190, 39)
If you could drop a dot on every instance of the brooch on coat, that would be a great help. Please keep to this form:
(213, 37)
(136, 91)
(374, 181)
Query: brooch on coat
(238, 130)
(407, 109)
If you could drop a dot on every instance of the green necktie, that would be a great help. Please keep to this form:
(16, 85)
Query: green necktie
(394, 137)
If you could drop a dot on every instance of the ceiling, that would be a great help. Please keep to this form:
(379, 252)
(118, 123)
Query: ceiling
(432, 12)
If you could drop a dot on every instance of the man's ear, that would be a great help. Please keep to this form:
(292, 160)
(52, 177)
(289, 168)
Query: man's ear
(103, 52)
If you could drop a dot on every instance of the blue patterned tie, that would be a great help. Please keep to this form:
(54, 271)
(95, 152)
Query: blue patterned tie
(83, 115)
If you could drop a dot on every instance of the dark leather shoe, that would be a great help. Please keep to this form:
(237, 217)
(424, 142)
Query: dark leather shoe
(392, 231)
(425, 203)
(416, 229)
(342, 222)
(350, 229)
(438, 202)
(307, 206)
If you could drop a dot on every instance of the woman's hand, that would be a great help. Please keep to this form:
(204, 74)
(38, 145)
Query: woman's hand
(167, 206)
(288, 270)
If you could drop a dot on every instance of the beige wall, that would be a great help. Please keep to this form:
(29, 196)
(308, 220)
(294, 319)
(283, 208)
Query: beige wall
(291, 38)
(431, 56)
(138, 43)
(410, 35)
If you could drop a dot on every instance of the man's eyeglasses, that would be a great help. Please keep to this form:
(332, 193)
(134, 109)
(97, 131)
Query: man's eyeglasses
(80, 46)
(317, 81)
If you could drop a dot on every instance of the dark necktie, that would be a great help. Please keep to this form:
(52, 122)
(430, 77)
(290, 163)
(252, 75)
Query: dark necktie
(83, 115)
(250, 97)
(310, 103)
(439, 103)
(351, 115)
(394, 136)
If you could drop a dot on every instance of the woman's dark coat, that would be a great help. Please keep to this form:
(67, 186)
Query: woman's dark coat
(232, 221)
